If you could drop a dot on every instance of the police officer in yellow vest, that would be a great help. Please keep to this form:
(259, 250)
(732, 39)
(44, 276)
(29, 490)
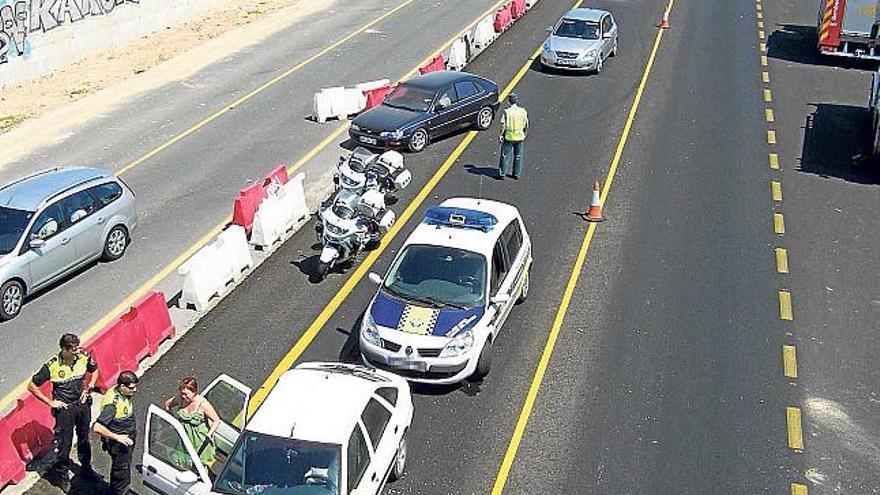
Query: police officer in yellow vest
(514, 127)
(71, 405)
(118, 430)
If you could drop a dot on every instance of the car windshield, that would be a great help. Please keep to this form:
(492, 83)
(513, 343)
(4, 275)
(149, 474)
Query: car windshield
(572, 28)
(270, 465)
(12, 225)
(439, 275)
(410, 98)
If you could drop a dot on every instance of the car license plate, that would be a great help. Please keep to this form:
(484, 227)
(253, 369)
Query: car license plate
(407, 363)
(367, 140)
(565, 62)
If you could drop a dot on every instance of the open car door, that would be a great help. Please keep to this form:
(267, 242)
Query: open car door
(170, 464)
(230, 399)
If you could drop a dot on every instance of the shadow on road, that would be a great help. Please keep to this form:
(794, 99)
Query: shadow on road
(837, 143)
(798, 43)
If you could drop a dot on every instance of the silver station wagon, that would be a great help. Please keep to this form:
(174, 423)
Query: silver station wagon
(54, 222)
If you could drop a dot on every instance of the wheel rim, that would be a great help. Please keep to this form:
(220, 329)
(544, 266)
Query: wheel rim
(116, 242)
(401, 456)
(418, 140)
(525, 289)
(12, 299)
(485, 118)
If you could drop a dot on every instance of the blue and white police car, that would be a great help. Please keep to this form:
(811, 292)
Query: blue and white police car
(448, 292)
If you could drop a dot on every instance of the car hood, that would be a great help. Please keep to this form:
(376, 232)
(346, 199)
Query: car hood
(393, 313)
(562, 44)
(385, 118)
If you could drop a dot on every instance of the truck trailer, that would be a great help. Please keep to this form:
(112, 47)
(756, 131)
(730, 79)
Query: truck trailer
(848, 28)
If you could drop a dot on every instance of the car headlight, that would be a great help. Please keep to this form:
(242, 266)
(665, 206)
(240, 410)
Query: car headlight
(370, 331)
(590, 53)
(355, 127)
(546, 47)
(459, 345)
(392, 135)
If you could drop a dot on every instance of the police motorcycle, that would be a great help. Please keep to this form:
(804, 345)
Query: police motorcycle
(391, 175)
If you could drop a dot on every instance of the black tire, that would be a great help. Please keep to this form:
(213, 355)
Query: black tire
(484, 363)
(524, 292)
(419, 141)
(599, 64)
(11, 299)
(115, 244)
(484, 118)
(614, 50)
(323, 269)
(399, 466)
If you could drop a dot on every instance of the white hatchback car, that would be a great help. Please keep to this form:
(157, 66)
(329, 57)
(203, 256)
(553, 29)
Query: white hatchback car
(324, 429)
(448, 292)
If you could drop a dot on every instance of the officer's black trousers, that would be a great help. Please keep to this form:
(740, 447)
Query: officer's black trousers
(120, 468)
(75, 418)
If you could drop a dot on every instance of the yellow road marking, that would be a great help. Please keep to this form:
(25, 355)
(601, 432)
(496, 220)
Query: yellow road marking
(795, 433)
(771, 137)
(758, 6)
(789, 361)
(764, 60)
(785, 305)
(213, 232)
(763, 47)
(761, 33)
(760, 15)
(768, 115)
(765, 76)
(781, 260)
(776, 189)
(774, 160)
(760, 24)
(528, 405)
(778, 224)
(798, 489)
(261, 88)
(768, 96)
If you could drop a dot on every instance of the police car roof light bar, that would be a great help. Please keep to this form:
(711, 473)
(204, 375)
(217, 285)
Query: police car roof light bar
(446, 216)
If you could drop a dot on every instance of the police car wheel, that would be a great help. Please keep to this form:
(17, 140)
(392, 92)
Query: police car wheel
(524, 292)
(418, 141)
(399, 465)
(11, 299)
(115, 244)
(484, 363)
(484, 118)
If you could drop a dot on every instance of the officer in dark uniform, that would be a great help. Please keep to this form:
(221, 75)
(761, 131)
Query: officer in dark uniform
(117, 428)
(71, 405)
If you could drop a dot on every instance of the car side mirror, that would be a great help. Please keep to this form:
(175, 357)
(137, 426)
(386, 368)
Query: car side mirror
(606, 36)
(36, 243)
(500, 298)
(375, 278)
(48, 229)
(187, 477)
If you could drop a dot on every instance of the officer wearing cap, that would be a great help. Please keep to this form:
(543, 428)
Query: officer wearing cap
(117, 428)
(71, 405)
(514, 127)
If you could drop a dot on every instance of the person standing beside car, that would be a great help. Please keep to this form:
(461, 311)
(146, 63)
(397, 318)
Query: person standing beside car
(117, 427)
(198, 418)
(514, 127)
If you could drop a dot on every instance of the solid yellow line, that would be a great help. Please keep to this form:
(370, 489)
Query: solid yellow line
(763, 47)
(761, 33)
(789, 361)
(774, 160)
(768, 96)
(260, 89)
(764, 60)
(785, 305)
(778, 224)
(543, 363)
(776, 190)
(760, 15)
(781, 260)
(315, 327)
(771, 137)
(765, 76)
(798, 489)
(795, 433)
(768, 115)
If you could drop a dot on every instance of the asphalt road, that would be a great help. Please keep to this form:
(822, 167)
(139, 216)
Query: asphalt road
(187, 189)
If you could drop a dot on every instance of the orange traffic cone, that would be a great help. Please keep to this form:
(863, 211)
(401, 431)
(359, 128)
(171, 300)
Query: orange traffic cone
(594, 214)
(664, 24)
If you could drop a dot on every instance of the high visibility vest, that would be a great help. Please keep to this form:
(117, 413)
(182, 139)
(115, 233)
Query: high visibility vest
(515, 121)
(61, 373)
(123, 417)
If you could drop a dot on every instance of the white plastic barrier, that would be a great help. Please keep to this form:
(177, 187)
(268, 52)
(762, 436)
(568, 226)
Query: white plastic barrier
(457, 55)
(484, 33)
(323, 105)
(370, 85)
(338, 102)
(233, 247)
(530, 3)
(283, 210)
(207, 273)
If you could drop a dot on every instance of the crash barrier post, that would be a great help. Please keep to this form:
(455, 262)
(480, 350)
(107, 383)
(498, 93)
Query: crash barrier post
(484, 33)
(502, 18)
(25, 435)
(246, 205)
(205, 275)
(153, 315)
(337, 102)
(458, 55)
(436, 63)
(283, 210)
(12, 468)
(278, 174)
(376, 96)
(518, 8)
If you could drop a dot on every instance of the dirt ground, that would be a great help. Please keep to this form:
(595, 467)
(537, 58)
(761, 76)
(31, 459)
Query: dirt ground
(101, 69)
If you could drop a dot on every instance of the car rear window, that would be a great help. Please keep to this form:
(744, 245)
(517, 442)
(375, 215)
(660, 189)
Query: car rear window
(105, 194)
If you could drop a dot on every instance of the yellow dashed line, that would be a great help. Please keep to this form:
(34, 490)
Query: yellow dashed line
(774, 161)
(764, 60)
(781, 260)
(776, 189)
(758, 7)
(761, 33)
(778, 224)
(763, 47)
(760, 15)
(795, 433)
(768, 115)
(768, 96)
(785, 305)
(760, 24)
(765, 76)
(771, 137)
(789, 361)
(798, 489)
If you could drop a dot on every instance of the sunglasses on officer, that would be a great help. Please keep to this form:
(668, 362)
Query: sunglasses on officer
(131, 386)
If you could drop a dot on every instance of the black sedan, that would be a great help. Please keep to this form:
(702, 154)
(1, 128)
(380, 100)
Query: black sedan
(425, 108)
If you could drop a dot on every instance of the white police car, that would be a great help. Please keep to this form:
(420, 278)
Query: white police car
(448, 292)
(324, 429)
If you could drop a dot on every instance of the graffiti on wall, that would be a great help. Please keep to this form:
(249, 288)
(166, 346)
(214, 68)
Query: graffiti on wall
(22, 19)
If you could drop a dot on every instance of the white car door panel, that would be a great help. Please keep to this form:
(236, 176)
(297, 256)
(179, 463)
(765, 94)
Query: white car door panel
(230, 399)
(170, 465)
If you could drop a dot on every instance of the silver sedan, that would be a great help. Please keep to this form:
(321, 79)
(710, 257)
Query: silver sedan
(581, 40)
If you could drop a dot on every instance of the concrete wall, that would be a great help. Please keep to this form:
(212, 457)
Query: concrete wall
(38, 36)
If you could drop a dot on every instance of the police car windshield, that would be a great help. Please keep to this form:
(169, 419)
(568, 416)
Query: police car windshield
(445, 275)
(271, 465)
(12, 225)
(572, 28)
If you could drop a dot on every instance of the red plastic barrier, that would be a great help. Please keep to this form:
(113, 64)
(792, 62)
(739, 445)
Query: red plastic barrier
(279, 174)
(375, 97)
(246, 205)
(12, 468)
(102, 347)
(152, 314)
(517, 8)
(503, 18)
(436, 63)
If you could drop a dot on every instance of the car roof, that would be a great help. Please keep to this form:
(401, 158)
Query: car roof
(28, 193)
(584, 14)
(315, 404)
(475, 240)
(440, 79)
